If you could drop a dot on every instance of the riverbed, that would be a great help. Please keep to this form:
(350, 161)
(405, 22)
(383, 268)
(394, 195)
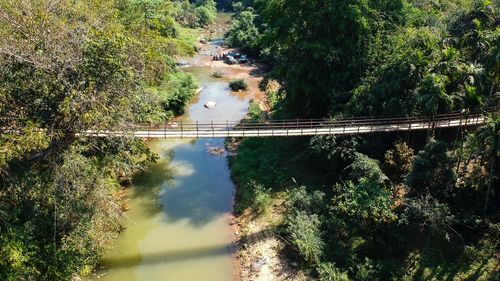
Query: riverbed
(178, 224)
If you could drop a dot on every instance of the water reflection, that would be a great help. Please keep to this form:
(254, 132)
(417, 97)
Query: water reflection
(203, 195)
(170, 256)
(178, 226)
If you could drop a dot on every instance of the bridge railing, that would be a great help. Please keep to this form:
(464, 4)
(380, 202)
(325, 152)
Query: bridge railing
(306, 124)
(344, 125)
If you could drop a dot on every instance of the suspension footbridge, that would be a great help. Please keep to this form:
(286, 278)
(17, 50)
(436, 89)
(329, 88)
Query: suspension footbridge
(287, 128)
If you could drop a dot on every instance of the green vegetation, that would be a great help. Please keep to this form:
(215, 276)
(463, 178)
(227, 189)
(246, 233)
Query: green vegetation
(69, 66)
(199, 14)
(238, 85)
(412, 206)
(243, 33)
(218, 74)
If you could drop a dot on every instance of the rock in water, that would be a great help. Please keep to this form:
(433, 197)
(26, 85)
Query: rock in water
(216, 151)
(210, 104)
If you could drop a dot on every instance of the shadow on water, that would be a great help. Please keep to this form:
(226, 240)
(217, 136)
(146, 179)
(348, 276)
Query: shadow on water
(204, 193)
(181, 255)
(169, 256)
(148, 185)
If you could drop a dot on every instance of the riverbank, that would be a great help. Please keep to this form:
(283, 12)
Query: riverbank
(262, 251)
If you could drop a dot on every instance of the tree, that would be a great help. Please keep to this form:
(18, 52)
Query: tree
(364, 202)
(69, 66)
(399, 160)
(489, 138)
(363, 167)
(432, 171)
(321, 48)
(243, 33)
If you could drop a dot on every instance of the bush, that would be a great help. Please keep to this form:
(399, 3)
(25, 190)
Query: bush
(304, 231)
(328, 272)
(365, 167)
(432, 170)
(218, 74)
(365, 202)
(263, 199)
(238, 85)
(300, 198)
(254, 111)
(399, 161)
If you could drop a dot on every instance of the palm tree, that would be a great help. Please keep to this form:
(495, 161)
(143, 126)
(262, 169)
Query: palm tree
(434, 96)
(489, 138)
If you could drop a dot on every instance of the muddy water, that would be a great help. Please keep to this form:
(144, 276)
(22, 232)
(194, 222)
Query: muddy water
(178, 226)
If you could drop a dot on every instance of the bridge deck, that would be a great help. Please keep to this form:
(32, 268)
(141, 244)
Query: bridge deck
(289, 127)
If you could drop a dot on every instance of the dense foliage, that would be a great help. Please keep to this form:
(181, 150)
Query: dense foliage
(67, 66)
(196, 14)
(412, 206)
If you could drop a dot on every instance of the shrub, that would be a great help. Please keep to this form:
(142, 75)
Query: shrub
(432, 170)
(263, 199)
(218, 74)
(365, 167)
(304, 231)
(254, 111)
(238, 85)
(399, 161)
(300, 198)
(328, 272)
(366, 201)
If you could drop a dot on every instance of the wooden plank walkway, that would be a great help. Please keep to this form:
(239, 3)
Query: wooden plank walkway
(288, 128)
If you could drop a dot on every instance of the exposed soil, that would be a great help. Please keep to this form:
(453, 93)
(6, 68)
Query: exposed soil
(260, 248)
(251, 72)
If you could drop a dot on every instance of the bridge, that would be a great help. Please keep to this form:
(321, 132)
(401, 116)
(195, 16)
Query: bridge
(287, 128)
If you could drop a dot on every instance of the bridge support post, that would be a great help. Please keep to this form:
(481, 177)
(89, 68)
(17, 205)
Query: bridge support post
(182, 130)
(197, 130)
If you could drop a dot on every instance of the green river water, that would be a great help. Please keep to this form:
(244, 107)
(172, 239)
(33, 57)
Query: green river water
(178, 226)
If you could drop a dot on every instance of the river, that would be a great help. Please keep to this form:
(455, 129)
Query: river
(178, 224)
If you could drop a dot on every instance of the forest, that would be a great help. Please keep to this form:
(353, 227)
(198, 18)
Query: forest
(401, 206)
(69, 65)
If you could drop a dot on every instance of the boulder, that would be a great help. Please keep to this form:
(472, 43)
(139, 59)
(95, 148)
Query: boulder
(216, 151)
(210, 104)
